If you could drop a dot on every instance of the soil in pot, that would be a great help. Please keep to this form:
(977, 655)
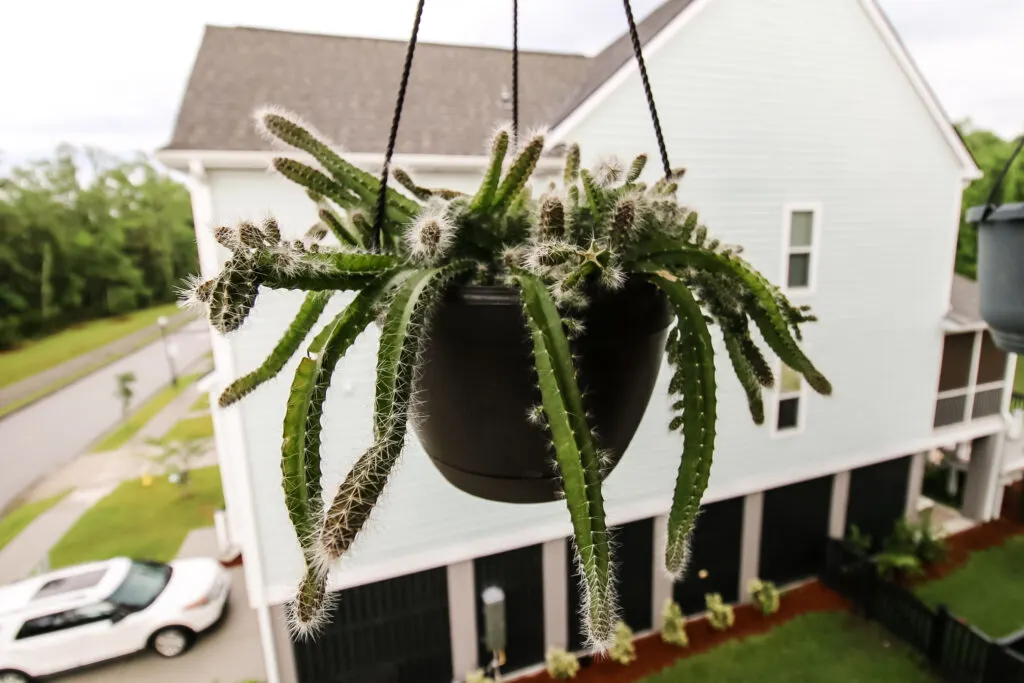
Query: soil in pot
(478, 385)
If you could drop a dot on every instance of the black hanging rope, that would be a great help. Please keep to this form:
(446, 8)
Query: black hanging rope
(515, 73)
(393, 135)
(647, 88)
(989, 206)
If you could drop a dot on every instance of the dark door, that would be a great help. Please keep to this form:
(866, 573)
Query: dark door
(634, 558)
(714, 556)
(794, 530)
(520, 574)
(393, 631)
(878, 497)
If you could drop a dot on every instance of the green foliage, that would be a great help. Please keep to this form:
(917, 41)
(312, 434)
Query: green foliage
(124, 432)
(600, 230)
(910, 548)
(622, 649)
(479, 676)
(561, 664)
(720, 615)
(765, 596)
(991, 152)
(84, 235)
(673, 626)
(857, 542)
(174, 457)
(891, 564)
(124, 391)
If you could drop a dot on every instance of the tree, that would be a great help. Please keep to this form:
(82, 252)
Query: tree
(125, 392)
(991, 153)
(174, 458)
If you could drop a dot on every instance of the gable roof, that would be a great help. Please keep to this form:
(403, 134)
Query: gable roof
(345, 87)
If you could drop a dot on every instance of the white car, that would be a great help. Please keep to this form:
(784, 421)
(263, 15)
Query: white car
(91, 612)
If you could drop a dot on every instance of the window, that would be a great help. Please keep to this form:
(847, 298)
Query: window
(61, 621)
(787, 413)
(971, 379)
(141, 586)
(801, 234)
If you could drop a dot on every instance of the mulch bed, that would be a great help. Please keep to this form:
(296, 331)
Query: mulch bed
(653, 655)
(961, 545)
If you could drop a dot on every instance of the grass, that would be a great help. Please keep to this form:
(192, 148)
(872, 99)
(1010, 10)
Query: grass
(831, 646)
(986, 592)
(1018, 382)
(202, 403)
(17, 519)
(142, 522)
(36, 356)
(127, 429)
(190, 429)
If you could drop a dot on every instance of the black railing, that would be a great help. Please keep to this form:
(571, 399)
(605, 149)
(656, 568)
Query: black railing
(957, 651)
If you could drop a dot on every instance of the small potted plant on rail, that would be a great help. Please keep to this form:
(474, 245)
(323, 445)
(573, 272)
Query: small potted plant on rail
(547, 317)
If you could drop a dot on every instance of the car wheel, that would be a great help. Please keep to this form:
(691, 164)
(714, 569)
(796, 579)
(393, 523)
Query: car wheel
(13, 677)
(170, 642)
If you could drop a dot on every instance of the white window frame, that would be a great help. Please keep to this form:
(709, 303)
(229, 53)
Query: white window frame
(973, 388)
(814, 251)
(801, 410)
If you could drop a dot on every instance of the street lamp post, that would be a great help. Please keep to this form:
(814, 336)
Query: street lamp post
(162, 322)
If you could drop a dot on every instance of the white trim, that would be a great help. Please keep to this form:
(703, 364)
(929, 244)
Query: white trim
(229, 435)
(651, 507)
(801, 407)
(1011, 370)
(750, 543)
(817, 210)
(838, 504)
(953, 327)
(555, 566)
(966, 161)
(462, 618)
(605, 90)
(182, 159)
(914, 483)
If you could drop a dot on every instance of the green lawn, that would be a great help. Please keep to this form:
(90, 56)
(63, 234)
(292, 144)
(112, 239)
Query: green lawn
(17, 519)
(202, 403)
(831, 646)
(1018, 382)
(986, 592)
(127, 429)
(142, 522)
(190, 429)
(35, 356)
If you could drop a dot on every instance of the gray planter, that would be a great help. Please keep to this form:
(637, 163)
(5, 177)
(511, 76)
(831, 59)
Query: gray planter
(1001, 272)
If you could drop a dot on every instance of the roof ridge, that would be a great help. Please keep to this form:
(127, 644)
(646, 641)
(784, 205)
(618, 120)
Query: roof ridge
(401, 41)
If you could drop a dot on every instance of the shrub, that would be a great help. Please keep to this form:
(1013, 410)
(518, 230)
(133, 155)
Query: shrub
(622, 650)
(479, 676)
(857, 542)
(673, 627)
(720, 615)
(561, 664)
(894, 564)
(765, 595)
(930, 548)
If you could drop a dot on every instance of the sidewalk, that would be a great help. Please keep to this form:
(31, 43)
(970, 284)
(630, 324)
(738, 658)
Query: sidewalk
(36, 387)
(23, 554)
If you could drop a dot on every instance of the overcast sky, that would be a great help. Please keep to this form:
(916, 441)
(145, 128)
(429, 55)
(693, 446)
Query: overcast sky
(110, 73)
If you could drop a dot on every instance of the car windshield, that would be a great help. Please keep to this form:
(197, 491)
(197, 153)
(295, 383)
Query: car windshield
(144, 582)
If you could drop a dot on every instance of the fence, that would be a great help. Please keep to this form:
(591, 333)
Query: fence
(958, 651)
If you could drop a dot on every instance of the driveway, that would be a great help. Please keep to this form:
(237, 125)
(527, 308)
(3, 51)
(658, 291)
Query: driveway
(229, 654)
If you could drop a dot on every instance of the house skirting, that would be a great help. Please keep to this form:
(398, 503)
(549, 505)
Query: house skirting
(428, 626)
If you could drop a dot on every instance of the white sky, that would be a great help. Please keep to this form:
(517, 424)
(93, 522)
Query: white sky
(110, 73)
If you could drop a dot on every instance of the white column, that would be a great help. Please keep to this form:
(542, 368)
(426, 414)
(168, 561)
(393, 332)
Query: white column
(661, 582)
(750, 556)
(556, 594)
(983, 477)
(837, 507)
(462, 618)
(914, 482)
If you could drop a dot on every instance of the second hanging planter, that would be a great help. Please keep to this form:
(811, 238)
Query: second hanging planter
(478, 385)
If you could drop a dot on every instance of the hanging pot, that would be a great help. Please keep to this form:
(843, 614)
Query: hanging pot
(1001, 272)
(478, 384)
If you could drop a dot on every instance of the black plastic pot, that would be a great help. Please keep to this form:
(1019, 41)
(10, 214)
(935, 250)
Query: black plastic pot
(1001, 272)
(478, 383)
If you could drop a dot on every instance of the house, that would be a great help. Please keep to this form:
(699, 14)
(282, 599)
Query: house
(810, 138)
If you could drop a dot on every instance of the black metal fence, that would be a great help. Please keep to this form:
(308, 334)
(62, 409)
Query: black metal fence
(958, 651)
